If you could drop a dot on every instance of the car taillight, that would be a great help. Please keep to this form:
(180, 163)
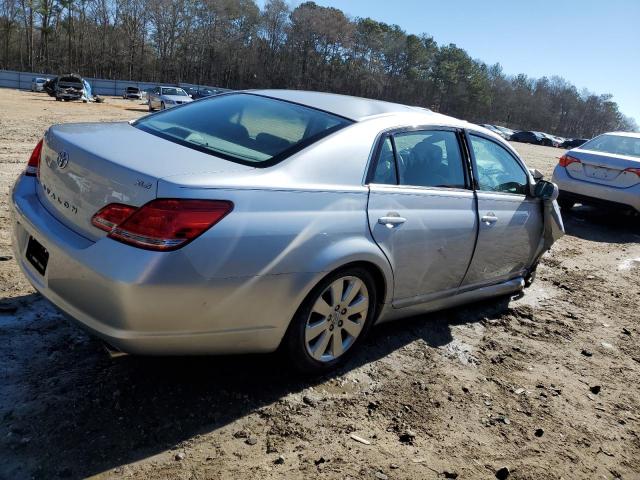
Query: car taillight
(34, 161)
(633, 170)
(567, 160)
(111, 216)
(163, 224)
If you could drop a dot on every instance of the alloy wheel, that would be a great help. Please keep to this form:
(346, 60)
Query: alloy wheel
(337, 318)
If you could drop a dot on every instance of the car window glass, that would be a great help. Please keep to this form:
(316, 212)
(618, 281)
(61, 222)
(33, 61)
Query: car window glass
(497, 170)
(430, 158)
(385, 171)
(617, 144)
(243, 127)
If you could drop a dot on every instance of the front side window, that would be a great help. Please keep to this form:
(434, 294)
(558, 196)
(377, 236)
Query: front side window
(429, 158)
(246, 128)
(498, 170)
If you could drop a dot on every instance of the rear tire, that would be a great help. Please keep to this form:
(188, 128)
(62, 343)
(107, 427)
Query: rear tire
(150, 107)
(332, 321)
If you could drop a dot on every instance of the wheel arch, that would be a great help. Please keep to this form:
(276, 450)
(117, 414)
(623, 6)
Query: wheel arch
(350, 252)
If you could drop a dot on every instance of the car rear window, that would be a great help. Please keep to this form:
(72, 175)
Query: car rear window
(617, 144)
(243, 127)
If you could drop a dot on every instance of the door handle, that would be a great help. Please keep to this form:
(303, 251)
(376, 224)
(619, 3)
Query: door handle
(490, 218)
(391, 221)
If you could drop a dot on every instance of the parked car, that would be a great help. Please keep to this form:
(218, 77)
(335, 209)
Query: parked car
(132, 93)
(69, 87)
(253, 220)
(602, 171)
(167, 97)
(573, 142)
(535, 138)
(508, 133)
(50, 86)
(496, 130)
(37, 84)
(206, 92)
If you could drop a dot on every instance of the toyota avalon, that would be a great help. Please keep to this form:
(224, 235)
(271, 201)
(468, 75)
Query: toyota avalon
(258, 220)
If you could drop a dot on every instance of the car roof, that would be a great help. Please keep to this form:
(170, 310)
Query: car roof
(353, 108)
(624, 134)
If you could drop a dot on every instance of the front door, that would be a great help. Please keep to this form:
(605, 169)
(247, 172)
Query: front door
(422, 212)
(510, 218)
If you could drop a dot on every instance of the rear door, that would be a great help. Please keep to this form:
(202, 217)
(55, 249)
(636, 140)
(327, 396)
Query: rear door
(422, 212)
(511, 221)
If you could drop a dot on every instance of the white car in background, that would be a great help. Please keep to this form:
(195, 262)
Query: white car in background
(167, 97)
(603, 171)
(37, 84)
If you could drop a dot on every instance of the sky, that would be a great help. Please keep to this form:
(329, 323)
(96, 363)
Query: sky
(593, 44)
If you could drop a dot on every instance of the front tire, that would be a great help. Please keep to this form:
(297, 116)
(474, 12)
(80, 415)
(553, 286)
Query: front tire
(332, 320)
(162, 106)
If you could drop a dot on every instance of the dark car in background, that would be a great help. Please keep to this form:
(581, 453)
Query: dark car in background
(204, 92)
(535, 138)
(573, 142)
(548, 140)
(69, 87)
(50, 86)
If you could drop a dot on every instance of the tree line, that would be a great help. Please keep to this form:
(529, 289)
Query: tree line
(235, 44)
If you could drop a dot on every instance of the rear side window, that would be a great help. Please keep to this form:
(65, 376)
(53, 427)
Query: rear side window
(245, 128)
(430, 158)
(498, 170)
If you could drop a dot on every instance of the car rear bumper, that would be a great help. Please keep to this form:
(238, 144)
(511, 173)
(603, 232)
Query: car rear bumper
(587, 192)
(147, 302)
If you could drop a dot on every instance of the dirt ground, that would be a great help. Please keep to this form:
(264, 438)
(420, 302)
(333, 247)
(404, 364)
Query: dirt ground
(546, 385)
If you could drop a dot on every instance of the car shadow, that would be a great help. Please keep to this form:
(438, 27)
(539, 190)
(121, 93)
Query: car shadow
(75, 412)
(600, 224)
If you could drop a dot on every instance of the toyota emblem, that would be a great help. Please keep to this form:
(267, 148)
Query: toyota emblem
(63, 159)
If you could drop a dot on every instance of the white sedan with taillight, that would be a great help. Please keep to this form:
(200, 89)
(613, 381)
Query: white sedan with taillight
(604, 171)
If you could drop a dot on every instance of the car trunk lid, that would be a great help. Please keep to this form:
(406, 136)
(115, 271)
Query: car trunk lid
(603, 168)
(87, 166)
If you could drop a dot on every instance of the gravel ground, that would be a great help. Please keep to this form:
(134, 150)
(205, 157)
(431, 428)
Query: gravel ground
(545, 385)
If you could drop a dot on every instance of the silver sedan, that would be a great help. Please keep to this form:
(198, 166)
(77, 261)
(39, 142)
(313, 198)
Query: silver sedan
(263, 219)
(602, 171)
(166, 97)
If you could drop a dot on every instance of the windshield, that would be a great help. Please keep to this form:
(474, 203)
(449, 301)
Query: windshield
(242, 127)
(617, 144)
(173, 91)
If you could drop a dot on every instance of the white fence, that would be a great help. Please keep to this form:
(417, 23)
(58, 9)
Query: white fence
(99, 86)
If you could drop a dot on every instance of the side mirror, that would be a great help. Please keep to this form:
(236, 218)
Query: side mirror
(546, 190)
(536, 174)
